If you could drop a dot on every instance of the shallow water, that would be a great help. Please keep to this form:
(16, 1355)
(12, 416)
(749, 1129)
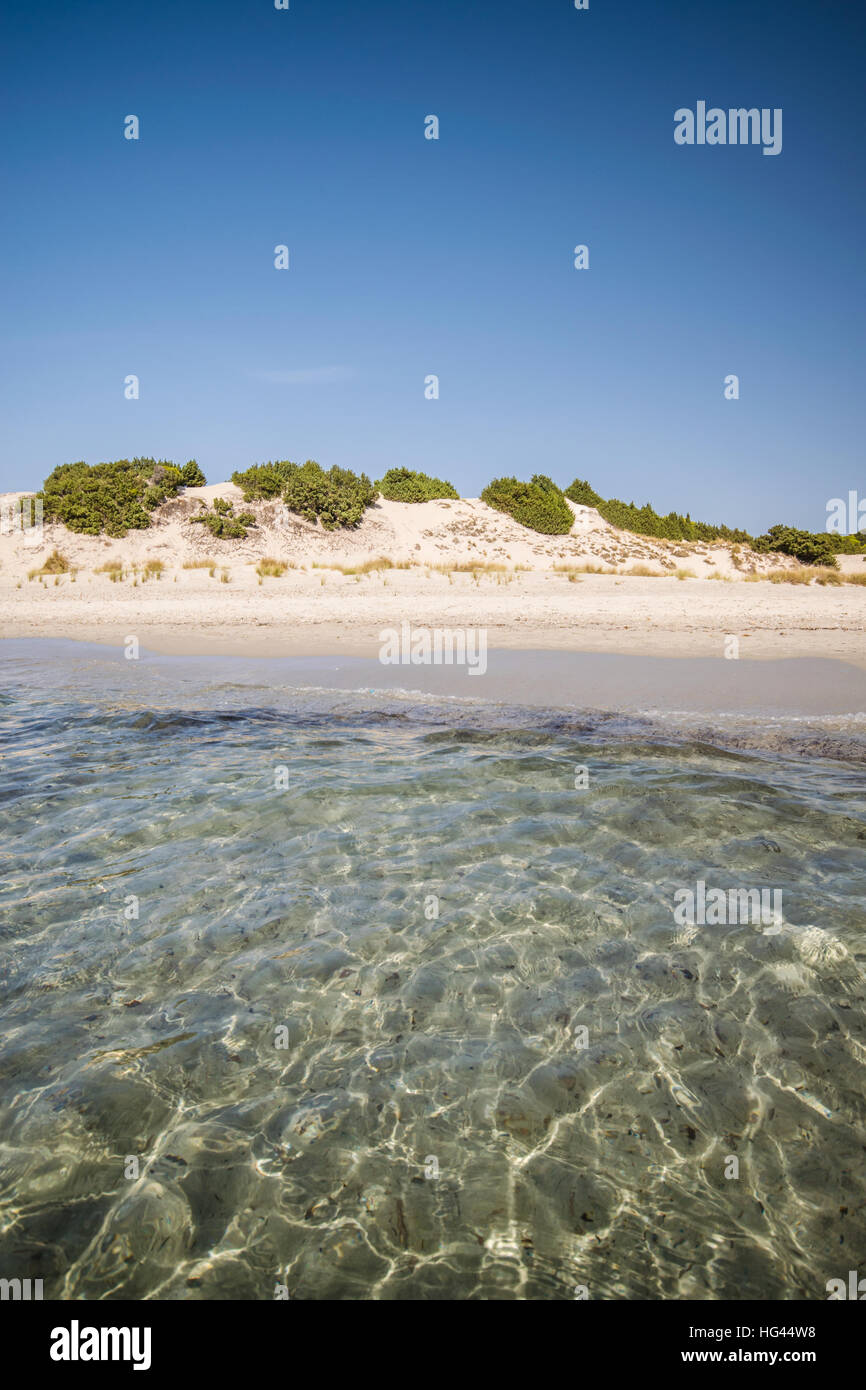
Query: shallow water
(369, 931)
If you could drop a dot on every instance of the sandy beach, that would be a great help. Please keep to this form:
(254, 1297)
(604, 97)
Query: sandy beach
(444, 564)
(433, 861)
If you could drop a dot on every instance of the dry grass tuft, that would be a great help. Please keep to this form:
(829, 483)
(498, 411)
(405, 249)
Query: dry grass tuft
(55, 564)
(472, 567)
(571, 572)
(270, 568)
(366, 566)
(785, 576)
(113, 568)
(582, 569)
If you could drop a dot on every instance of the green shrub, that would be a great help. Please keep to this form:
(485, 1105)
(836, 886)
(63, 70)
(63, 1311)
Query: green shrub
(817, 548)
(110, 497)
(192, 476)
(581, 492)
(164, 483)
(336, 498)
(222, 522)
(404, 485)
(847, 545)
(811, 548)
(644, 521)
(538, 504)
(264, 480)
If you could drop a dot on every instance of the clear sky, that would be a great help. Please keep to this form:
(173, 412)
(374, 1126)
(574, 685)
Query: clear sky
(411, 257)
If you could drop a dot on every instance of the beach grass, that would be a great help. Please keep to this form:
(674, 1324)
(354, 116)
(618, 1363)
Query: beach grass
(364, 566)
(55, 564)
(269, 568)
(786, 576)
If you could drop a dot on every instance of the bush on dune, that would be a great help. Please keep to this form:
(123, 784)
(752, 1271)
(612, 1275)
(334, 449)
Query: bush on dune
(582, 493)
(645, 521)
(192, 476)
(111, 497)
(336, 498)
(539, 504)
(817, 548)
(264, 481)
(812, 549)
(404, 485)
(222, 522)
(854, 544)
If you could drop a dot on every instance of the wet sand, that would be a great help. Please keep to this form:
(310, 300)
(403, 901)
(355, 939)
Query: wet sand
(805, 687)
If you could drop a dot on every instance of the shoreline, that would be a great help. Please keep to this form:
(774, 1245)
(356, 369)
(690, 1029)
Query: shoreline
(263, 637)
(292, 589)
(312, 613)
(530, 677)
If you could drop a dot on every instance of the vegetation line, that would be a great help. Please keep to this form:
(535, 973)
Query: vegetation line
(113, 498)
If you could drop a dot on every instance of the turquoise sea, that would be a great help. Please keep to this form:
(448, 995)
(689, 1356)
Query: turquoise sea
(355, 994)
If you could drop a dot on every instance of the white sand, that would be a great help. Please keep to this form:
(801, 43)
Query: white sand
(311, 609)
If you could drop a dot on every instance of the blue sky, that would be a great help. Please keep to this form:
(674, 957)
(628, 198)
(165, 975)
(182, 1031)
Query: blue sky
(454, 257)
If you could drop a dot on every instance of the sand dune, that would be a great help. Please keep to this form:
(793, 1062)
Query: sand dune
(427, 532)
(315, 607)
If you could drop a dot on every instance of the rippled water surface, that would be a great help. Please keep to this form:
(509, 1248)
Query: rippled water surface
(292, 953)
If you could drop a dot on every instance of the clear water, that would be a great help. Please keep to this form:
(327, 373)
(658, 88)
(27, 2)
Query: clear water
(416, 1042)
